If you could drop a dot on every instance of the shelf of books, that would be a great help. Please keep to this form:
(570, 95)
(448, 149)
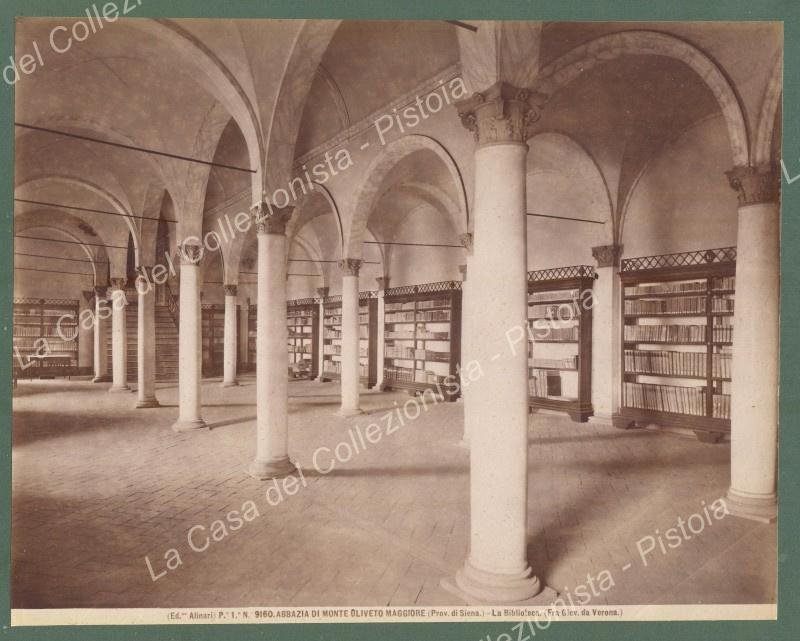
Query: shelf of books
(45, 337)
(677, 341)
(422, 336)
(302, 320)
(252, 324)
(213, 336)
(560, 340)
(367, 335)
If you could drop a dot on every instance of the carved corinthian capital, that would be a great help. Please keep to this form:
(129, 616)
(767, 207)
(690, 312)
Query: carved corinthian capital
(607, 255)
(501, 114)
(270, 219)
(755, 185)
(190, 253)
(350, 266)
(466, 240)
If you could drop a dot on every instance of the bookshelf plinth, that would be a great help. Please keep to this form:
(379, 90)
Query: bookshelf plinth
(631, 417)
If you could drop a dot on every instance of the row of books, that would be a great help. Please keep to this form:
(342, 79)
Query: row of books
(677, 305)
(564, 311)
(300, 321)
(412, 353)
(543, 383)
(556, 363)
(69, 346)
(665, 363)
(666, 398)
(408, 375)
(332, 320)
(421, 334)
(665, 333)
(335, 367)
(722, 330)
(397, 307)
(68, 329)
(721, 365)
(300, 313)
(667, 288)
(565, 334)
(543, 297)
(722, 304)
(296, 334)
(724, 282)
(331, 333)
(433, 302)
(721, 406)
(300, 349)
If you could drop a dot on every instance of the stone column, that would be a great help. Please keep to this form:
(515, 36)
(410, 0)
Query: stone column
(383, 285)
(146, 340)
(754, 387)
(101, 312)
(229, 345)
(85, 331)
(119, 336)
(272, 386)
(467, 315)
(350, 365)
(606, 333)
(497, 569)
(322, 292)
(189, 341)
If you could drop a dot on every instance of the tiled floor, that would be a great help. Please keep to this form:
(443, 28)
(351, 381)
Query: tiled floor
(99, 486)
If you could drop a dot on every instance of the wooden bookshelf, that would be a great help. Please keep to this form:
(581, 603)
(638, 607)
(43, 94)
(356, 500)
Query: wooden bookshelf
(331, 338)
(39, 349)
(422, 336)
(677, 341)
(368, 337)
(213, 337)
(252, 325)
(560, 340)
(302, 320)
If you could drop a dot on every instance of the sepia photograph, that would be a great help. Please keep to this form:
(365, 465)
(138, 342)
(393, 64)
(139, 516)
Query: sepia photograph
(323, 320)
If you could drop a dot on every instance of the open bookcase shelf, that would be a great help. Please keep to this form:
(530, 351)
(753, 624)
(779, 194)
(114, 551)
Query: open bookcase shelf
(39, 346)
(677, 341)
(560, 340)
(422, 336)
(367, 333)
(213, 318)
(302, 331)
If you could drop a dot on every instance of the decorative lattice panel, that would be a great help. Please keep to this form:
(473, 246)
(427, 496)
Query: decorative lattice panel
(329, 300)
(560, 273)
(300, 302)
(47, 302)
(367, 295)
(724, 255)
(428, 288)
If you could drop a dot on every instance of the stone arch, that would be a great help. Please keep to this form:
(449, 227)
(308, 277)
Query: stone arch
(118, 205)
(317, 190)
(565, 69)
(379, 168)
(762, 147)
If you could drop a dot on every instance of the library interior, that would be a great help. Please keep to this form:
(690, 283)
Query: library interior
(319, 312)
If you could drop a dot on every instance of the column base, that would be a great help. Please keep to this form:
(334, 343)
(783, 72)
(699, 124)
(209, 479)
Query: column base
(187, 426)
(342, 411)
(755, 507)
(272, 469)
(119, 388)
(101, 379)
(230, 383)
(147, 402)
(477, 587)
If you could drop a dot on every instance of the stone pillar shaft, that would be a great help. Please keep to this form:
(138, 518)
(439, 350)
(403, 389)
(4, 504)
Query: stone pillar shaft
(119, 336)
(272, 382)
(146, 341)
(350, 368)
(606, 333)
(189, 342)
(101, 311)
(754, 386)
(230, 340)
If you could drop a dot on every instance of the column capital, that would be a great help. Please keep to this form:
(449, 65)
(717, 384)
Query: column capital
(755, 185)
(607, 255)
(383, 282)
(190, 253)
(467, 240)
(231, 290)
(270, 219)
(119, 283)
(322, 292)
(350, 266)
(502, 113)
